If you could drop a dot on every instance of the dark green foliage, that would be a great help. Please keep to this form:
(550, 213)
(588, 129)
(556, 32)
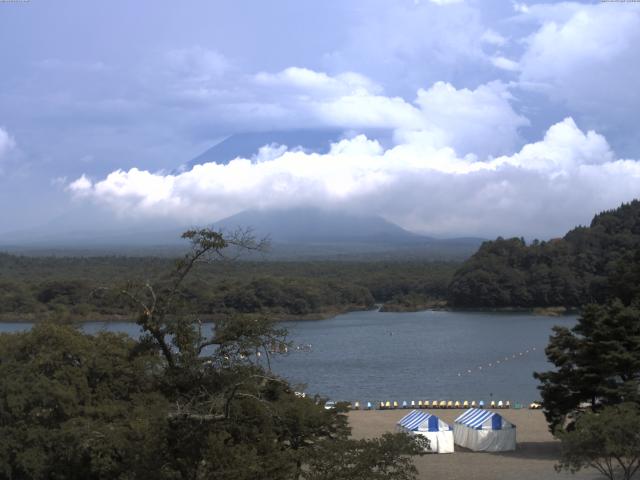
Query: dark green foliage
(76, 288)
(176, 405)
(570, 272)
(384, 458)
(608, 441)
(73, 406)
(597, 362)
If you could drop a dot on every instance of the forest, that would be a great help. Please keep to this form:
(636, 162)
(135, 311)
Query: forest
(88, 288)
(584, 266)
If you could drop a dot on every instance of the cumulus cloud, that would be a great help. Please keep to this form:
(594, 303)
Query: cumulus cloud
(585, 57)
(6, 142)
(404, 44)
(537, 191)
(480, 120)
(309, 82)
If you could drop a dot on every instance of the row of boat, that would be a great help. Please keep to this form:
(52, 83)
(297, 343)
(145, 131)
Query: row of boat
(442, 404)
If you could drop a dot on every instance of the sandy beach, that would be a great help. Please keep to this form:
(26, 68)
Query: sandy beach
(534, 458)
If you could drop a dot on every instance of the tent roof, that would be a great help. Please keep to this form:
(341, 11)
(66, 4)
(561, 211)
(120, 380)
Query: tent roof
(483, 419)
(415, 419)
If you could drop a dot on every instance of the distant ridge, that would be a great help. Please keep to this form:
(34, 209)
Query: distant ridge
(313, 226)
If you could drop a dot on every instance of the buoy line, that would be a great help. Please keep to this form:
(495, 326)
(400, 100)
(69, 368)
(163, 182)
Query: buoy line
(498, 362)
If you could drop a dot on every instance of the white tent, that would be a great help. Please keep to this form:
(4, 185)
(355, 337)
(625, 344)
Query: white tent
(438, 433)
(484, 431)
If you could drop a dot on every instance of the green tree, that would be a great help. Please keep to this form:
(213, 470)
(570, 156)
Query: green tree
(608, 441)
(384, 458)
(184, 402)
(75, 406)
(597, 362)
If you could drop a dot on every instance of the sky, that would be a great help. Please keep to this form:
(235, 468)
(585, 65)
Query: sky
(499, 117)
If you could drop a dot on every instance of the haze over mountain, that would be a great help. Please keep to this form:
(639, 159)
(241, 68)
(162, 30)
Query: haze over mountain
(294, 233)
(315, 226)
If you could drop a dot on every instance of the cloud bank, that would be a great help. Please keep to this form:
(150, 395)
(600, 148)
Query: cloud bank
(466, 97)
(536, 191)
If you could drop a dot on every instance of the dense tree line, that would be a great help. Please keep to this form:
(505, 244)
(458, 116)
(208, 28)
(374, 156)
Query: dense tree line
(78, 288)
(570, 271)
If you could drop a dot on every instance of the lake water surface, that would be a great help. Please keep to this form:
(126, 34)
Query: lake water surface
(430, 355)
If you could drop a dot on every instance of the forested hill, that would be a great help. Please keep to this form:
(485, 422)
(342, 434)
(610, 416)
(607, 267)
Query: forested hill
(587, 264)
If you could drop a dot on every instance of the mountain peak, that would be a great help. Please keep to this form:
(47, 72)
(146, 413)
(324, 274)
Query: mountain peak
(314, 225)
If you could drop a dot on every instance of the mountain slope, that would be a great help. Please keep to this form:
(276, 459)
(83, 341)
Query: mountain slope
(313, 226)
(570, 271)
(245, 145)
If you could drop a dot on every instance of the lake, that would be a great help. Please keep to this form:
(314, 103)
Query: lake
(430, 355)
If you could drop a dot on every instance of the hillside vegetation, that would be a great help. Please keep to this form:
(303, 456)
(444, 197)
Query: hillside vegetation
(587, 265)
(85, 288)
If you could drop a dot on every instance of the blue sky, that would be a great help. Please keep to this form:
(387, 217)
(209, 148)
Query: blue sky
(505, 118)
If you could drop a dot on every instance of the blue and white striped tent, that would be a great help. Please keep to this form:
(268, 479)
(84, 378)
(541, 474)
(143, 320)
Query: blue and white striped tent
(422, 421)
(484, 430)
(439, 433)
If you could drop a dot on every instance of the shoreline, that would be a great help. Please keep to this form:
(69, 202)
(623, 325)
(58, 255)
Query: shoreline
(312, 317)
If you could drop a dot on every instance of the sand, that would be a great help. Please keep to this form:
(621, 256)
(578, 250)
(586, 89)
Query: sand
(536, 454)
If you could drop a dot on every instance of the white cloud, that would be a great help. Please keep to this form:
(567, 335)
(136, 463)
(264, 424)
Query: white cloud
(7, 143)
(404, 45)
(543, 189)
(585, 57)
(317, 83)
(481, 120)
(505, 64)
(493, 38)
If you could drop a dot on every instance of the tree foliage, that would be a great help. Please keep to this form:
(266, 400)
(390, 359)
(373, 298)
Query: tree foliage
(69, 288)
(182, 402)
(571, 271)
(597, 362)
(608, 441)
